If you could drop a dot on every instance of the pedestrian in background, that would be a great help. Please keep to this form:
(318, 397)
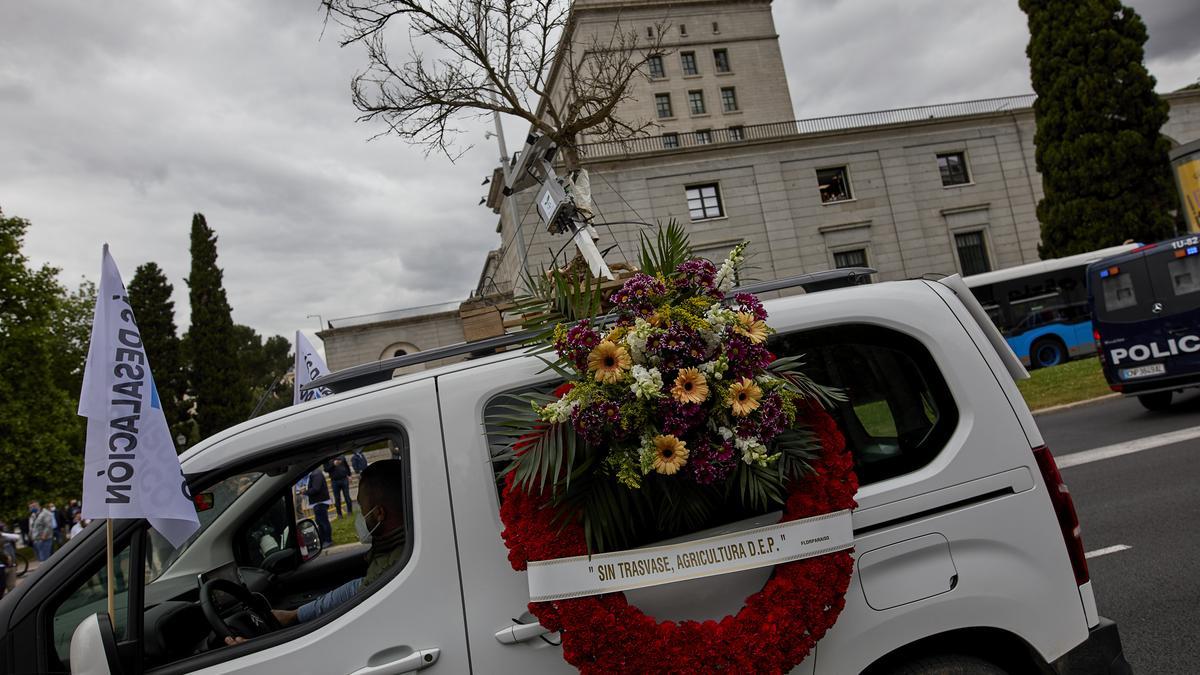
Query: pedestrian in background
(339, 477)
(358, 461)
(41, 530)
(318, 499)
(76, 526)
(60, 526)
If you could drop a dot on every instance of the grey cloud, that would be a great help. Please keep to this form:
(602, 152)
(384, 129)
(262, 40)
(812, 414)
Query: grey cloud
(118, 121)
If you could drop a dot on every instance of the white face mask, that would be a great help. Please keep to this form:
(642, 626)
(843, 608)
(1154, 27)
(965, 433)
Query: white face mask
(360, 526)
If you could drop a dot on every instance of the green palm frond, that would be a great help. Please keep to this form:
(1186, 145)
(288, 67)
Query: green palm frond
(613, 516)
(796, 448)
(758, 487)
(686, 506)
(790, 369)
(670, 247)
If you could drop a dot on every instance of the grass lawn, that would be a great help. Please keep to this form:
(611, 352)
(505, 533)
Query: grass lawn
(1079, 380)
(343, 529)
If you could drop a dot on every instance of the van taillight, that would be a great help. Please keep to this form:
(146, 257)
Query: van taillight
(1064, 509)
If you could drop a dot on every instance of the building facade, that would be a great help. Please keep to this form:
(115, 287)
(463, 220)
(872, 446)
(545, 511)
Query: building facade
(937, 189)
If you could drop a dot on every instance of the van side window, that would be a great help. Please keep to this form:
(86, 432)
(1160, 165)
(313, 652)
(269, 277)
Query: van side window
(1185, 274)
(899, 413)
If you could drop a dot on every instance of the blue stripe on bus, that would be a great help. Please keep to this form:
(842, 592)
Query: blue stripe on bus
(1066, 332)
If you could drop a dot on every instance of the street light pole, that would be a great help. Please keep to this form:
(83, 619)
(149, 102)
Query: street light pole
(320, 323)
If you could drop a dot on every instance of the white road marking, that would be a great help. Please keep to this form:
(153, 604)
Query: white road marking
(1106, 550)
(1126, 448)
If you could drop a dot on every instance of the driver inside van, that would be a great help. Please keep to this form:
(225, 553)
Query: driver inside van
(379, 522)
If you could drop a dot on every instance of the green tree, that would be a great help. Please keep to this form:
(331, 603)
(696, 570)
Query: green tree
(263, 363)
(40, 449)
(215, 380)
(150, 297)
(1103, 162)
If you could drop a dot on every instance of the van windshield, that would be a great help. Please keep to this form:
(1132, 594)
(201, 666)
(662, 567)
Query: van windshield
(160, 555)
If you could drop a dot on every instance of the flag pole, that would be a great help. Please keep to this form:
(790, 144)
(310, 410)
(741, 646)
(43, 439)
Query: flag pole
(112, 611)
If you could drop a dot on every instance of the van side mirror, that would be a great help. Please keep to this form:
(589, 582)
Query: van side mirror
(94, 647)
(310, 539)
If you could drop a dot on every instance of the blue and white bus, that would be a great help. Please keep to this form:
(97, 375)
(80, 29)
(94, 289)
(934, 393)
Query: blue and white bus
(1042, 308)
(1146, 313)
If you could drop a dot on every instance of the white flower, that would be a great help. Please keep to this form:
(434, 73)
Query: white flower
(719, 316)
(725, 432)
(726, 275)
(715, 369)
(647, 382)
(753, 451)
(636, 338)
(559, 411)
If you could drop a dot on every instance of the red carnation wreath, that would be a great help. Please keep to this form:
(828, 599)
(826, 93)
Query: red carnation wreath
(775, 629)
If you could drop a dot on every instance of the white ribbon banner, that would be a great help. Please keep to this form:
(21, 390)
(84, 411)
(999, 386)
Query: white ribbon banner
(583, 575)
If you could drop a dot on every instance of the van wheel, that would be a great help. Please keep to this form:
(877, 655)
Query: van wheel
(1047, 352)
(950, 664)
(1159, 400)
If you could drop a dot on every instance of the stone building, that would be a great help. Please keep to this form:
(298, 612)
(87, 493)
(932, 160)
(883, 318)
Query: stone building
(934, 189)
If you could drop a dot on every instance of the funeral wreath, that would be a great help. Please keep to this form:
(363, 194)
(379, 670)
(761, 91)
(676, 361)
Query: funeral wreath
(674, 415)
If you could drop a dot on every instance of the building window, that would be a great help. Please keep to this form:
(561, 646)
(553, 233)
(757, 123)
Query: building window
(703, 136)
(729, 99)
(662, 105)
(721, 59)
(670, 140)
(853, 258)
(834, 184)
(650, 31)
(683, 30)
(696, 102)
(716, 28)
(655, 63)
(737, 133)
(704, 201)
(953, 167)
(689, 63)
(972, 253)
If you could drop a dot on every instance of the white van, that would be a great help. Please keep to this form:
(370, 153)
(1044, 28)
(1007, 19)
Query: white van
(967, 550)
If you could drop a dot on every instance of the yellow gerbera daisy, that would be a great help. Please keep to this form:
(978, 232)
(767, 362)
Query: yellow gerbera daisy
(690, 386)
(744, 396)
(755, 329)
(670, 454)
(609, 361)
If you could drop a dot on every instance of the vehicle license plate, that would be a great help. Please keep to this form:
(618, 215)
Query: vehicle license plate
(1143, 371)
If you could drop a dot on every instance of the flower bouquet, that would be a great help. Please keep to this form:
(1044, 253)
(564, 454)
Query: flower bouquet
(674, 414)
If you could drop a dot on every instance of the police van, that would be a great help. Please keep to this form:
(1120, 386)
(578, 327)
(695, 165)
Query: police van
(1146, 319)
(968, 556)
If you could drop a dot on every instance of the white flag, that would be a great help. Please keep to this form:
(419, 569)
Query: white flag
(309, 366)
(131, 469)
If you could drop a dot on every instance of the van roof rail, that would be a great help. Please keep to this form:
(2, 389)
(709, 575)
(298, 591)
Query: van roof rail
(365, 374)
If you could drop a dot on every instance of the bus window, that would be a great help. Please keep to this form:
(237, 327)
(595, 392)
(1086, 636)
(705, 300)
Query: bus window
(1185, 274)
(1118, 292)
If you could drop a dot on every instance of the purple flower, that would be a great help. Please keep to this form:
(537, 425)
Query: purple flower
(597, 421)
(748, 302)
(640, 294)
(678, 418)
(767, 422)
(576, 344)
(746, 359)
(678, 347)
(710, 462)
(698, 275)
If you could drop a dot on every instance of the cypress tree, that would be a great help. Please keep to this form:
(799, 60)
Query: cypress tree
(214, 375)
(154, 311)
(1104, 164)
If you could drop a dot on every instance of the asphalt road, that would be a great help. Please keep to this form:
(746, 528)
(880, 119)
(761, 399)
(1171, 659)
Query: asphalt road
(1150, 502)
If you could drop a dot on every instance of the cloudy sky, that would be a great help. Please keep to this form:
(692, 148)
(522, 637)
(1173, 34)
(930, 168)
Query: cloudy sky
(119, 120)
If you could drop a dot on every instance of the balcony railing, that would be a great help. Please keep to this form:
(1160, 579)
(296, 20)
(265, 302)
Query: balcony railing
(816, 125)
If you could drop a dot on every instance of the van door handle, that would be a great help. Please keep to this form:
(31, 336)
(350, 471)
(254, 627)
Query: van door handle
(520, 632)
(417, 660)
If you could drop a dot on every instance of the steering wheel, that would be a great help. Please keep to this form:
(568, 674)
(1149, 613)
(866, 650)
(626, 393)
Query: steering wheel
(253, 616)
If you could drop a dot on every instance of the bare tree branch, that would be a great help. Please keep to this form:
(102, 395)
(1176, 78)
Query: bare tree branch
(470, 58)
